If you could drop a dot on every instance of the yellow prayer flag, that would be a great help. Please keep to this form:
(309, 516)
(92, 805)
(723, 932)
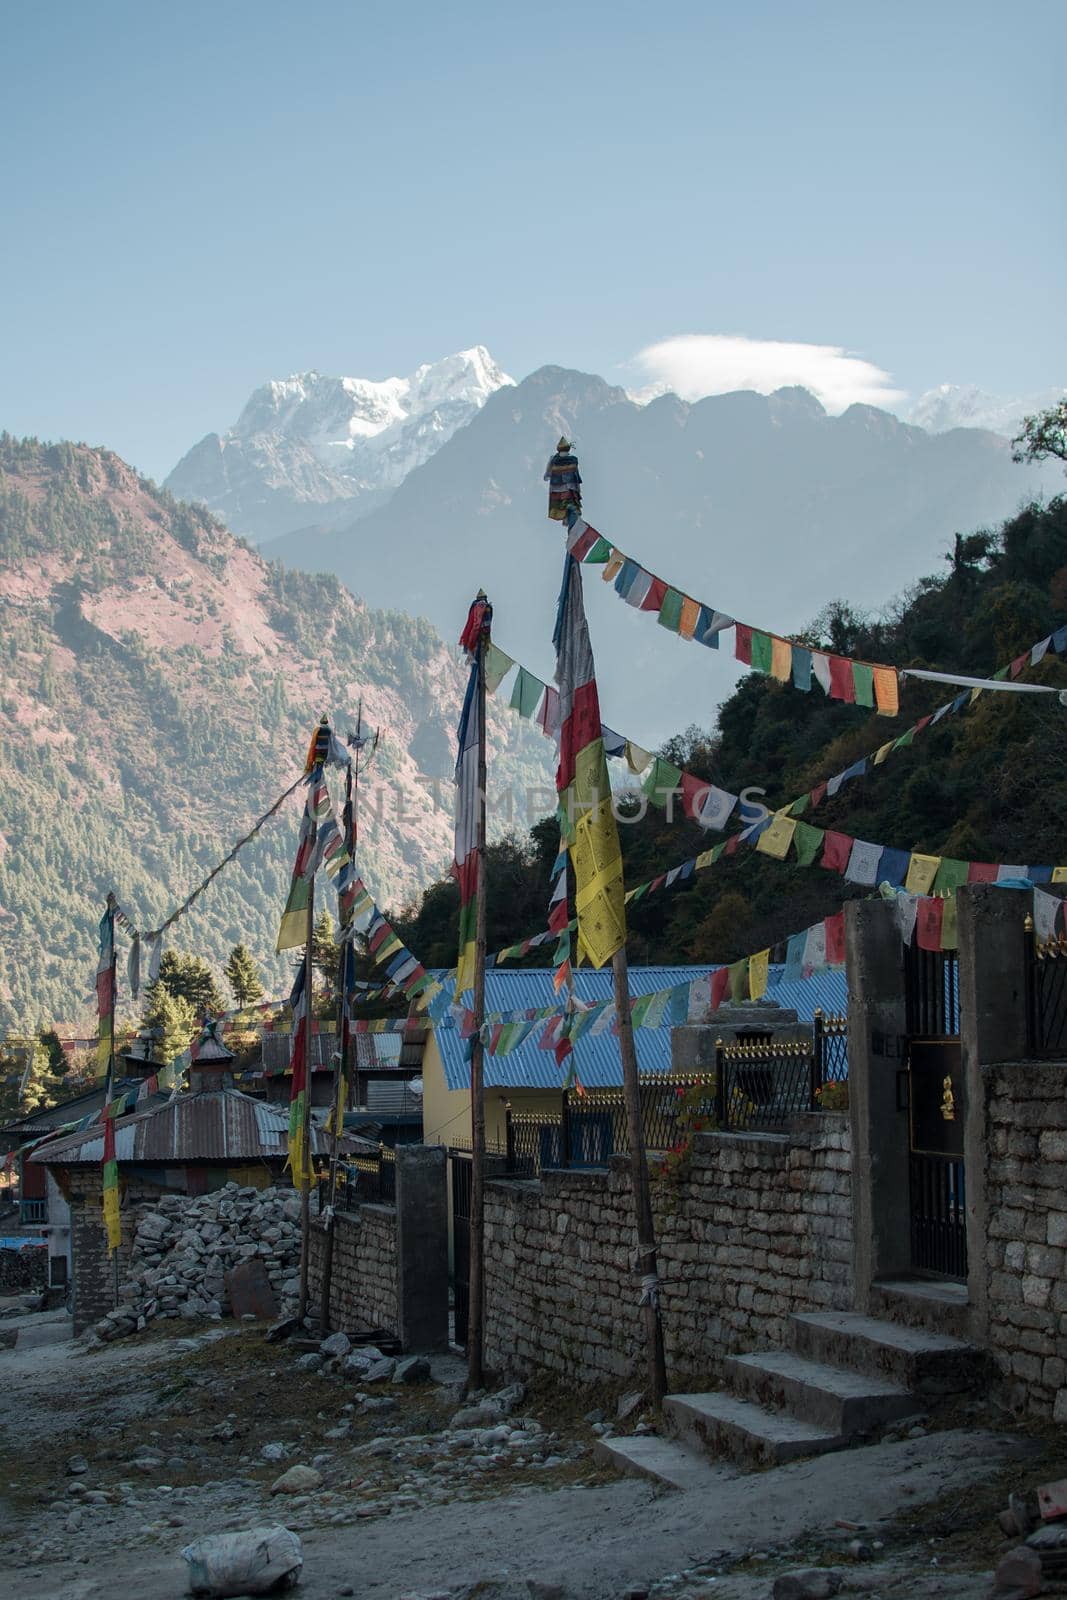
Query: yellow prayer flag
(688, 620)
(781, 659)
(949, 935)
(704, 859)
(1059, 874)
(613, 566)
(922, 870)
(598, 900)
(886, 692)
(112, 1219)
(882, 752)
(777, 836)
(636, 758)
(295, 929)
(758, 971)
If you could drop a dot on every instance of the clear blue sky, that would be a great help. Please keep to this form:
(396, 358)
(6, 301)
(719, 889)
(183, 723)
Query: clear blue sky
(201, 196)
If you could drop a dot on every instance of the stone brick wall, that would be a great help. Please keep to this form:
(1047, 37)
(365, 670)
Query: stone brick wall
(92, 1268)
(759, 1227)
(363, 1281)
(24, 1269)
(1026, 1252)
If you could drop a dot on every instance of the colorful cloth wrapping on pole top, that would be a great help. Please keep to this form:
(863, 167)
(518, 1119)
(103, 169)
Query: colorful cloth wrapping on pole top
(295, 926)
(564, 483)
(298, 1089)
(587, 821)
(465, 857)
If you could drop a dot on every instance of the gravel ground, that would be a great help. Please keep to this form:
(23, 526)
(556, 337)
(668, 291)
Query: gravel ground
(182, 1436)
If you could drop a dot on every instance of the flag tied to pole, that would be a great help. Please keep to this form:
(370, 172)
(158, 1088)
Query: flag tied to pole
(587, 821)
(298, 1090)
(465, 859)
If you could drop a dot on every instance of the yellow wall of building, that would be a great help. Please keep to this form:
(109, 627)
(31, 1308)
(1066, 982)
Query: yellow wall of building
(446, 1113)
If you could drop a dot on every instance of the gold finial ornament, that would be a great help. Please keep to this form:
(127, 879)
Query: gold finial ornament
(948, 1101)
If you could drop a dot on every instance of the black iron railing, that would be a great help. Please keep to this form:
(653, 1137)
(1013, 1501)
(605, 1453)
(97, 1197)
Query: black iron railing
(367, 1179)
(591, 1125)
(830, 1044)
(765, 1085)
(1046, 994)
(938, 1214)
(931, 991)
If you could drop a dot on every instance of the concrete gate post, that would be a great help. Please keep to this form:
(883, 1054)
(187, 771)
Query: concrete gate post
(422, 1247)
(992, 964)
(876, 1056)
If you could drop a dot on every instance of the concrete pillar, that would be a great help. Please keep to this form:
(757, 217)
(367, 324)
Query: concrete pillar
(422, 1246)
(992, 957)
(876, 1056)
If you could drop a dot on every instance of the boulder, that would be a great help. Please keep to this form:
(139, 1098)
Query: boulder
(336, 1346)
(380, 1371)
(413, 1369)
(298, 1480)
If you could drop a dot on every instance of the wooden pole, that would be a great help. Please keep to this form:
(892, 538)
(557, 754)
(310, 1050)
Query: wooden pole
(349, 819)
(476, 1301)
(305, 1135)
(109, 1081)
(646, 1237)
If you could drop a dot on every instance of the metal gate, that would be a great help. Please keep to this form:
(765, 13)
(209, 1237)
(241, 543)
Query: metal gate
(460, 1170)
(935, 1114)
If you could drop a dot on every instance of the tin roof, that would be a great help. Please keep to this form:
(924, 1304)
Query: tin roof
(214, 1125)
(597, 1056)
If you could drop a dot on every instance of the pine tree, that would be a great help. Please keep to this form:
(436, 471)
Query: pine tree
(242, 975)
(190, 978)
(173, 1018)
(325, 951)
(58, 1064)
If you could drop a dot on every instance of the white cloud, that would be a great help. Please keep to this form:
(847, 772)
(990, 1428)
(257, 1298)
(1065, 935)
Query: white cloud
(692, 365)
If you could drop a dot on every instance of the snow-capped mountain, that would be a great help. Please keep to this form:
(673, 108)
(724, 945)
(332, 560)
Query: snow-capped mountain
(317, 451)
(956, 405)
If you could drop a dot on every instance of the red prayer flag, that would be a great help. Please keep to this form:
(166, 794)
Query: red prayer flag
(743, 643)
(842, 683)
(1019, 663)
(818, 795)
(982, 872)
(928, 923)
(837, 847)
(694, 793)
(720, 982)
(654, 598)
(835, 940)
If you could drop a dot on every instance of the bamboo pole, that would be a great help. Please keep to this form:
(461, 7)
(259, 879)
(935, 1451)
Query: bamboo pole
(646, 1236)
(476, 1275)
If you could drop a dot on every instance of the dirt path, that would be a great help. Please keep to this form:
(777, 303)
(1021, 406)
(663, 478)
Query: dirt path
(204, 1405)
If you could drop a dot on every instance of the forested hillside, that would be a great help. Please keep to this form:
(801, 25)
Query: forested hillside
(988, 784)
(158, 683)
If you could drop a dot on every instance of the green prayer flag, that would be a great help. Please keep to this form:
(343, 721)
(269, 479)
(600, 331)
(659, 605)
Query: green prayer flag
(798, 808)
(863, 678)
(807, 841)
(599, 554)
(762, 650)
(497, 666)
(670, 611)
(951, 873)
(949, 924)
(739, 980)
(527, 693)
(905, 739)
(663, 776)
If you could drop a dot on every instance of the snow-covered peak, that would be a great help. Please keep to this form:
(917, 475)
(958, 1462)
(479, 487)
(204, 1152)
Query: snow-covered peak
(313, 439)
(955, 405)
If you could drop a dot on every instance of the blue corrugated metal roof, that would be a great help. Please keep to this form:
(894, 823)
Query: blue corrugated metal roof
(530, 1067)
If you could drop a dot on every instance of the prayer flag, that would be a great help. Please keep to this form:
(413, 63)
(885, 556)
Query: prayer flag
(835, 940)
(928, 916)
(587, 821)
(758, 968)
(801, 668)
(886, 691)
(921, 873)
(777, 837)
(110, 1185)
(807, 841)
(761, 651)
(465, 853)
(781, 659)
(836, 850)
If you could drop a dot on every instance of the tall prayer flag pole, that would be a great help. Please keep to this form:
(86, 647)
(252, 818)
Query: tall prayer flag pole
(105, 993)
(469, 867)
(589, 831)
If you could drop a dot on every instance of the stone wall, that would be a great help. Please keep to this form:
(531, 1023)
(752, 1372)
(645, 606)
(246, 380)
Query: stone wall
(363, 1279)
(760, 1226)
(1026, 1250)
(93, 1269)
(24, 1269)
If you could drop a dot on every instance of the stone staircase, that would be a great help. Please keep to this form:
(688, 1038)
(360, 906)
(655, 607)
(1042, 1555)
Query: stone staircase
(844, 1377)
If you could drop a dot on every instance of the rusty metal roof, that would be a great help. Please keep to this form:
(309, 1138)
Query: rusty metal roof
(213, 1125)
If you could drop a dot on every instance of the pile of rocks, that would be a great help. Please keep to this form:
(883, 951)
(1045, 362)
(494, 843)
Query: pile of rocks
(185, 1245)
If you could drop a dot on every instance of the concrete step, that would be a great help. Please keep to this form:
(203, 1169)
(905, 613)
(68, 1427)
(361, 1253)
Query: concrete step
(830, 1398)
(662, 1460)
(721, 1424)
(939, 1307)
(926, 1363)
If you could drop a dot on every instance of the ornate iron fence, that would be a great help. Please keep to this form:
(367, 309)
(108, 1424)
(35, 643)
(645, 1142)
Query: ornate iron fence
(830, 1043)
(1046, 994)
(765, 1085)
(367, 1179)
(591, 1125)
